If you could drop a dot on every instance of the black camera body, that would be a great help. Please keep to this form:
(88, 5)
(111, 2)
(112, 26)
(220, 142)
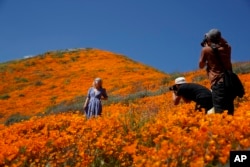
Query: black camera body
(203, 42)
(173, 88)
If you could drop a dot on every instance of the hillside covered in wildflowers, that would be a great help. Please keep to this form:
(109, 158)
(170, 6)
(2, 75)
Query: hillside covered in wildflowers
(42, 121)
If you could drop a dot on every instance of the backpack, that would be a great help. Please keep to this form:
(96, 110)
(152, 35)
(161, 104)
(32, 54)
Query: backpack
(233, 84)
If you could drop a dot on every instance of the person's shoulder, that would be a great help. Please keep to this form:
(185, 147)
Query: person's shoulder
(207, 49)
(103, 89)
(91, 88)
(225, 46)
(196, 85)
(191, 84)
(199, 86)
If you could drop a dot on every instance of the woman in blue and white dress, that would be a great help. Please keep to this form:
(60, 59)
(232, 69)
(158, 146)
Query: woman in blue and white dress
(93, 104)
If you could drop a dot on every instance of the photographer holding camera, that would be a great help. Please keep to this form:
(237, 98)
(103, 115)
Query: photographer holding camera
(216, 56)
(192, 92)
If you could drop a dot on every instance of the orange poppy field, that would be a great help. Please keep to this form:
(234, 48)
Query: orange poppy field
(42, 121)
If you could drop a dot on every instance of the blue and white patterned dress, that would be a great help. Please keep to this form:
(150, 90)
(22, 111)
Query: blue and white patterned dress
(94, 107)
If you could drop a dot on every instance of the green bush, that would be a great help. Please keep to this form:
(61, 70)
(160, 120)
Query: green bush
(20, 80)
(30, 63)
(39, 83)
(3, 67)
(174, 75)
(74, 105)
(199, 78)
(241, 68)
(58, 54)
(4, 97)
(16, 118)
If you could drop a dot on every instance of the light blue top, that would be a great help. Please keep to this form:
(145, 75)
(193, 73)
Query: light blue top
(94, 107)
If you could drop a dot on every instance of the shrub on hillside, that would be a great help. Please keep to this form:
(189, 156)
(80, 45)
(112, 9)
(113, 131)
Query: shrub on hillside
(199, 78)
(15, 118)
(74, 105)
(4, 97)
(241, 68)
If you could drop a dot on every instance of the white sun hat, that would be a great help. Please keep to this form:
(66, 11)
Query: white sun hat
(180, 80)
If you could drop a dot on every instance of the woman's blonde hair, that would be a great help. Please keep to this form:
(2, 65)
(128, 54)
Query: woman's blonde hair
(98, 81)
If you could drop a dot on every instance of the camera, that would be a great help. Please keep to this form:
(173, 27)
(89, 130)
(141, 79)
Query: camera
(173, 88)
(203, 42)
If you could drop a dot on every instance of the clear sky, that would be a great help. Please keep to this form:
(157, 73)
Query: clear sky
(165, 34)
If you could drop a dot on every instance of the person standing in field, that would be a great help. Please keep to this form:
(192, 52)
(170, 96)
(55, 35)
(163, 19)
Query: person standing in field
(93, 105)
(216, 63)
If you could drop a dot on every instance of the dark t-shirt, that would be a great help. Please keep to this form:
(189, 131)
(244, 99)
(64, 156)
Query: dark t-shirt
(193, 91)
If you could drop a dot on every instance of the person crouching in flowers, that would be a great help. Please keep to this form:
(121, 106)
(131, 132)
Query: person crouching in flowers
(192, 92)
(93, 105)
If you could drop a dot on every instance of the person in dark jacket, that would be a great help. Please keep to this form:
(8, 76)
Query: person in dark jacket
(192, 92)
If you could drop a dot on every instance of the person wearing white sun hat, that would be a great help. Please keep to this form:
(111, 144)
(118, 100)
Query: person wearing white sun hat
(192, 92)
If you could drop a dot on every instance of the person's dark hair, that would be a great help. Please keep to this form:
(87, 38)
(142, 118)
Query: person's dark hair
(214, 35)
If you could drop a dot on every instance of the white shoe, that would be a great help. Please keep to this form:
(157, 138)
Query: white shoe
(211, 111)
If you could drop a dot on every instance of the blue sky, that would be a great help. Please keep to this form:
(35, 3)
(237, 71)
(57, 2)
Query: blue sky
(164, 34)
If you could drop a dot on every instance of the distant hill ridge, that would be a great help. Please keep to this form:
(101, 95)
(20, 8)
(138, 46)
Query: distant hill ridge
(29, 86)
(34, 84)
